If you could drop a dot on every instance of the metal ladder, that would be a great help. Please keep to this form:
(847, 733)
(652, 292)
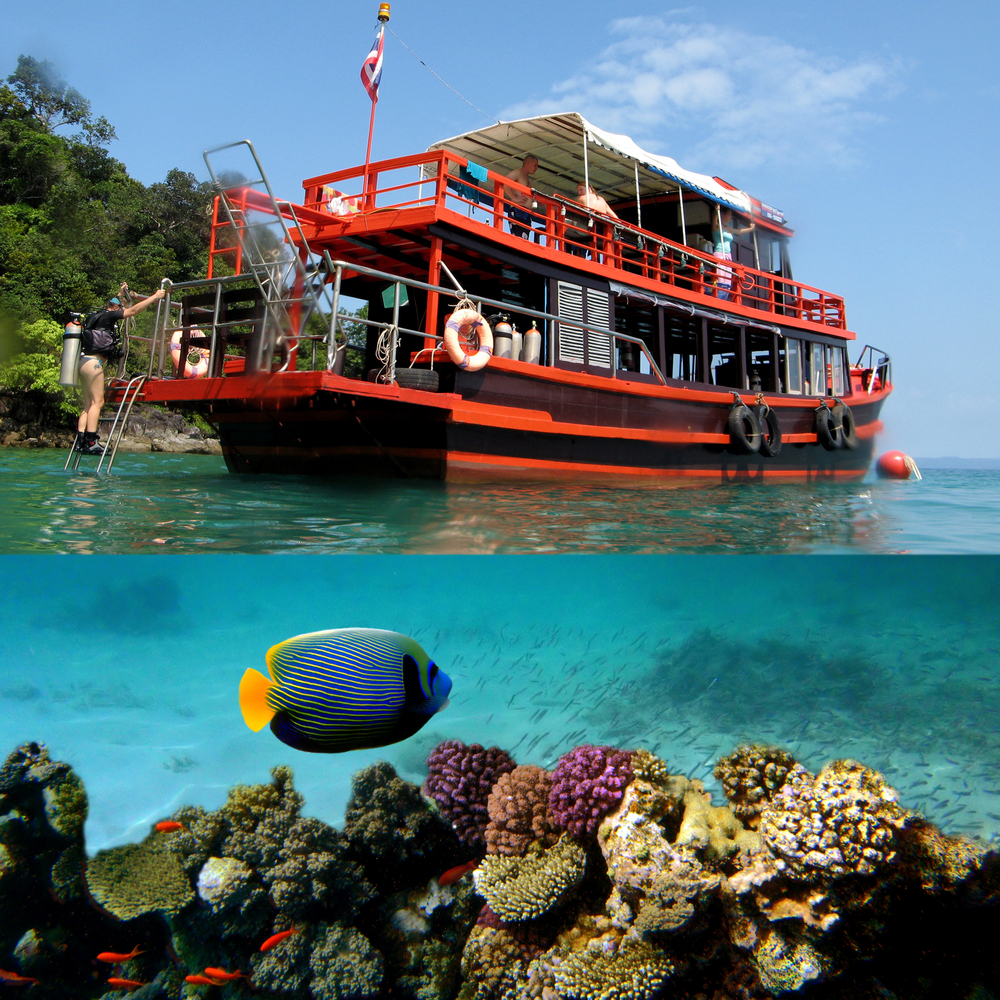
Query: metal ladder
(291, 281)
(129, 396)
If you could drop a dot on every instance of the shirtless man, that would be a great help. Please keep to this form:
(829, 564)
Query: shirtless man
(589, 198)
(514, 198)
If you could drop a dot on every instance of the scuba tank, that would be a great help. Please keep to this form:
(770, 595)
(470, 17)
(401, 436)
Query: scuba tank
(517, 342)
(532, 346)
(69, 372)
(502, 340)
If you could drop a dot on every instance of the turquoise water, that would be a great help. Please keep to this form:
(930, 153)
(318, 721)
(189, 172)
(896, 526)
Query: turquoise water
(128, 668)
(190, 504)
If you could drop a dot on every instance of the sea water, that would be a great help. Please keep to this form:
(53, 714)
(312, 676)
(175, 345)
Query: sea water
(190, 504)
(128, 668)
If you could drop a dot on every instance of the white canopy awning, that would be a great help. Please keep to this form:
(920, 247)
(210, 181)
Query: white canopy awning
(557, 141)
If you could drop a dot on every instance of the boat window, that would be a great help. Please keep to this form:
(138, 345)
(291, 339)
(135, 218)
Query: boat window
(760, 361)
(837, 371)
(816, 385)
(724, 356)
(791, 353)
(637, 320)
(682, 335)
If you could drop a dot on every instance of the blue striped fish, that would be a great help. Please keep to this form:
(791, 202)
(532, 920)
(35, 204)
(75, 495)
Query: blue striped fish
(344, 689)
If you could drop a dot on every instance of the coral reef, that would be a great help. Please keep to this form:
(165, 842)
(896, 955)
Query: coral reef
(518, 807)
(587, 783)
(525, 888)
(650, 890)
(459, 780)
(751, 776)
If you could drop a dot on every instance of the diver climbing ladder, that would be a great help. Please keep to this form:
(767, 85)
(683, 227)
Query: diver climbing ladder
(130, 394)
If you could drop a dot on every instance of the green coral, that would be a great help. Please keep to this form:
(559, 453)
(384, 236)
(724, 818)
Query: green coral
(493, 962)
(631, 972)
(529, 887)
(344, 964)
(139, 878)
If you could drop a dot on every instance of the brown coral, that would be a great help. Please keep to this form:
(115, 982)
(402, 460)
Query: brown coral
(518, 808)
(842, 822)
(751, 776)
(526, 888)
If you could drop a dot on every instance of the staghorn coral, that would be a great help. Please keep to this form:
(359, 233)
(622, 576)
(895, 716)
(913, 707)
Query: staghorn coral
(587, 783)
(388, 820)
(529, 887)
(751, 776)
(842, 822)
(459, 781)
(630, 972)
(139, 878)
(518, 808)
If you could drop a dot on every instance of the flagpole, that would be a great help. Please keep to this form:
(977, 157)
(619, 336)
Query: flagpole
(383, 17)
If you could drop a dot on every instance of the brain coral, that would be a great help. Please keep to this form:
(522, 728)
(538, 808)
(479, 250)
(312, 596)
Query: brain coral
(842, 822)
(518, 808)
(751, 776)
(139, 878)
(632, 972)
(460, 779)
(526, 888)
(588, 782)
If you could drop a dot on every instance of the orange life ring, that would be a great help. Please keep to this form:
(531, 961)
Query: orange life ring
(197, 370)
(463, 325)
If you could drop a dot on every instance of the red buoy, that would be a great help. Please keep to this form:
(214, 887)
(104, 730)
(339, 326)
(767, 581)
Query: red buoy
(896, 465)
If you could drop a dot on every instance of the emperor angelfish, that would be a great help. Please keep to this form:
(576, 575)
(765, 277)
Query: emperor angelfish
(344, 689)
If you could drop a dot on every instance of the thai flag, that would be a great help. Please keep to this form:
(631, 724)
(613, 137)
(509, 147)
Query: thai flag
(371, 68)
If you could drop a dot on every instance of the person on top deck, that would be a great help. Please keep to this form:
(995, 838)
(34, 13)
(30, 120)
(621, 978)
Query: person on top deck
(522, 175)
(92, 363)
(589, 198)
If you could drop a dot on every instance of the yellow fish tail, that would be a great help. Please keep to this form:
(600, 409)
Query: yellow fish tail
(254, 687)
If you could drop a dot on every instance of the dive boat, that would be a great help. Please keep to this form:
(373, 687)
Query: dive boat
(625, 344)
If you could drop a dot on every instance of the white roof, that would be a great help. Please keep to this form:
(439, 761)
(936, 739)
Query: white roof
(557, 142)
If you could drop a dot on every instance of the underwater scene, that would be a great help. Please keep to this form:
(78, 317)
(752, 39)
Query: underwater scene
(602, 778)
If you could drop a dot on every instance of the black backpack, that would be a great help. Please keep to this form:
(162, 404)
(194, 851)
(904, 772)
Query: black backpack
(99, 336)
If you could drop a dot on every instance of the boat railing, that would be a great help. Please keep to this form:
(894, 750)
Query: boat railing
(874, 374)
(443, 180)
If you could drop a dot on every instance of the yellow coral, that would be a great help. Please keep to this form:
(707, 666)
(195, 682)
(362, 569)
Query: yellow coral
(785, 967)
(646, 766)
(632, 972)
(751, 776)
(526, 888)
(139, 878)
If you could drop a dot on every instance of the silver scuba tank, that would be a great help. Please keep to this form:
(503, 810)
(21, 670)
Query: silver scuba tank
(502, 340)
(532, 346)
(69, 370)
(517, 341)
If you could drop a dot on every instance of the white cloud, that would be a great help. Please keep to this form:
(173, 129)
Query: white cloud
(726, 96)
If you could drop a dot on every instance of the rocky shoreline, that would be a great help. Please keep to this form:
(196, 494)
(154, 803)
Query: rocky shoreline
(30, 420)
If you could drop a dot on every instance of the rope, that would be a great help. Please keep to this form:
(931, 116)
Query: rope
(383, 350)
(445, 82)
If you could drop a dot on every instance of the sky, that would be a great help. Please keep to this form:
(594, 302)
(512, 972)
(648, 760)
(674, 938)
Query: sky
(874, 127)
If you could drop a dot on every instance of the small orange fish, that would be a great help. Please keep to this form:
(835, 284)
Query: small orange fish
(452, 875)
(15, 979)
(203, 981)
(117, 956)
(125, 984)
(223, 975)
(275, 938)
(168, 826)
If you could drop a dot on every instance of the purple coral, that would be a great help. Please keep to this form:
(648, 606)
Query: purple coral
(587, 784)
(459, 781)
